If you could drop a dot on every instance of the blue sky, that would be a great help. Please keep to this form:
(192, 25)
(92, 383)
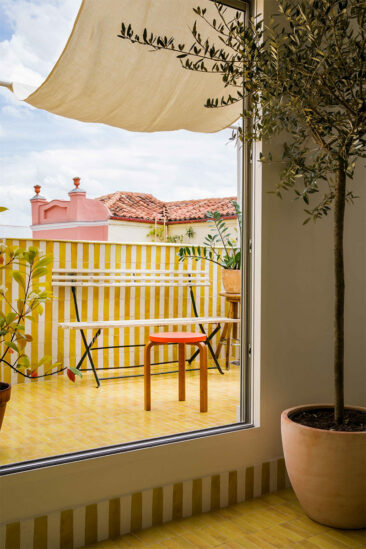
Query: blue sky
(40, 148)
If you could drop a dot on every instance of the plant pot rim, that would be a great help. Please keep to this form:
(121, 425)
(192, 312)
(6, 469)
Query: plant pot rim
(4, 386)
(285, 418)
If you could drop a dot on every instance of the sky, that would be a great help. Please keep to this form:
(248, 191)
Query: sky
(37, 147)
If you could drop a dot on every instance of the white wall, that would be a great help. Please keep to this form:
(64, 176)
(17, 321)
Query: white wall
(201, 230)
(15, 231)
(128, 231)
(296, 366)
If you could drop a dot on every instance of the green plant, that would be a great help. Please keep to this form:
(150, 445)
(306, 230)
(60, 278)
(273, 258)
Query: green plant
(25, 267)
(220, 238)
(190, 233)
(159, 234)
(175, 238)
(304, 77)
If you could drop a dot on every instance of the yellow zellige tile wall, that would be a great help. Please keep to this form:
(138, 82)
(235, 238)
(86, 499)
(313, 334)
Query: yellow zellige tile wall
(110, 303)
(75, 528)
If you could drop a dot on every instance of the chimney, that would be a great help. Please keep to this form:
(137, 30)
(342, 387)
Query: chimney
(77, 200)
(36, 201)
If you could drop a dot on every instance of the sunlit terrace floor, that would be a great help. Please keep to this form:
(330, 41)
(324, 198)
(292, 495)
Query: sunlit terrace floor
(56, 416)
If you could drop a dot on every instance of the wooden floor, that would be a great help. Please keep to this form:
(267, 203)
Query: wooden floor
(56, 417)
(272, 521)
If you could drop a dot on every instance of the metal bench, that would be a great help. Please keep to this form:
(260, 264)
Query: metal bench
(133, 278)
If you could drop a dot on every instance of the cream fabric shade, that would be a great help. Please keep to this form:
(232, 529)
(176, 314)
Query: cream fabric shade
(102, 78)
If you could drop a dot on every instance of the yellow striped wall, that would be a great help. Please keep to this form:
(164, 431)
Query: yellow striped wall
(111, 303)
(102, 520)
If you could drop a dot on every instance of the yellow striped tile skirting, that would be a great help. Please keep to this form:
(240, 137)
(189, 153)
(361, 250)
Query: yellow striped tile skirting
(103, 520)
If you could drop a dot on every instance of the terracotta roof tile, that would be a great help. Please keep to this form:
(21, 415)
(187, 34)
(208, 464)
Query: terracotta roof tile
(197, 209)
(145, 207)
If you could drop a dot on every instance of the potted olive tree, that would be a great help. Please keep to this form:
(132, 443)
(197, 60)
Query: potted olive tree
(221, 248)
(304, 77)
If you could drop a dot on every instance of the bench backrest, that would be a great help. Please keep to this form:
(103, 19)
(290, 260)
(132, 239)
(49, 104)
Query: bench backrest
(128, 277)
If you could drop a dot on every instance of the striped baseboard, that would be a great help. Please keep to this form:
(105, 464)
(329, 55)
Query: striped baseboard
(80, 526)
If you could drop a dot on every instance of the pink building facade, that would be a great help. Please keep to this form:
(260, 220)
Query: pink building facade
(79, 218)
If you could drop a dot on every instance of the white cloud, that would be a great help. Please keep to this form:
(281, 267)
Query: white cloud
(39, 148)
(40, 30)
(153, 164)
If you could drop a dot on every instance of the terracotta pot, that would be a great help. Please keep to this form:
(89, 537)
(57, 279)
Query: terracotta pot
(231, 280)
(327, 470)
(5, 390)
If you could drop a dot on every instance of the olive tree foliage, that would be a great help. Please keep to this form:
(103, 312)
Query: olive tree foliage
(303, 75)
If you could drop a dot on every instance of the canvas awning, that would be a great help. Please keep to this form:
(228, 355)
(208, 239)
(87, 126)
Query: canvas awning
(100, 77)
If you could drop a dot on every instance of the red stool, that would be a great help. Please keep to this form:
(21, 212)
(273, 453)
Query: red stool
(181, 338)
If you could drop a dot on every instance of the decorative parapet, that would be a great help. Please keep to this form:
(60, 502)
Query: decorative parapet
(79, 218)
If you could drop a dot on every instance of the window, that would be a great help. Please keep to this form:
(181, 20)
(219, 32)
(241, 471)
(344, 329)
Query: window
(138, 269)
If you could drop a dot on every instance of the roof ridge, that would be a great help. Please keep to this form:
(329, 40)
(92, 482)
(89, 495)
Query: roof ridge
(192, 200)
(195, 200)
(148, 208)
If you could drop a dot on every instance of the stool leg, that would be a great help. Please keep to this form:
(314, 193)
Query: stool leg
(203, 377)
(182, 371)
(147, 376)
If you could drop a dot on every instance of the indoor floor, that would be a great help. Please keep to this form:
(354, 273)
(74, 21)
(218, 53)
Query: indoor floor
(272, 521)
(48, 418)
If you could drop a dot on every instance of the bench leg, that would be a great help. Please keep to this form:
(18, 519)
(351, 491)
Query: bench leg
(203, 377)
(147, 376)
(190, 360)
(194, 306)
(222, 339)
(88, 353)
(182, 371)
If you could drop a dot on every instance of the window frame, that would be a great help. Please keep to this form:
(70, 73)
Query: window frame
(248, 404)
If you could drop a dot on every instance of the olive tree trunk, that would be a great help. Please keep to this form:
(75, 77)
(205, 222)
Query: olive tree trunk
(339, 208)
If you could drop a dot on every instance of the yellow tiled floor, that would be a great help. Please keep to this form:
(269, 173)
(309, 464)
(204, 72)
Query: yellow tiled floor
(56, 416)
(272, 521)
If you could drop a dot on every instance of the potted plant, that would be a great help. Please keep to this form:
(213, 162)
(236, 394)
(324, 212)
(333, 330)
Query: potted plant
(25, 267)
(303, 77)
(219, 247)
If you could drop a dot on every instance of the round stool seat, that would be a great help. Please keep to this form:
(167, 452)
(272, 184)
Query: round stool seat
(177, 337)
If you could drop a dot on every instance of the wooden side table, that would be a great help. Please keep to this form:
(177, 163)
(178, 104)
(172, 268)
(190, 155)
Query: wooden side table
(230, 330)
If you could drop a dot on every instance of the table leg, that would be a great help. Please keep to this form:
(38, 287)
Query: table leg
(182, 371)
(235, 315)
(147, 376)
(228, 346)
(203, 377)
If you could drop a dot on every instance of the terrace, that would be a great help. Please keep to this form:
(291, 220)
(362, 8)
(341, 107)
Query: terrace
(71, 417)
(66, 419)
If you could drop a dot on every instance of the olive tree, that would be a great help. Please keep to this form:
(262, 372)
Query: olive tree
(302, 75)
